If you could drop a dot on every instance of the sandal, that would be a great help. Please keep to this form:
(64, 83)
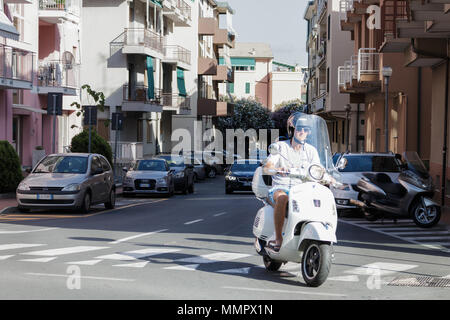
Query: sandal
(271, 245)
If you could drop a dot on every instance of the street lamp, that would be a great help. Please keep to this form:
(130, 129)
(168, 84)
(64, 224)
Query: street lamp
(348, 109)
(387, 73)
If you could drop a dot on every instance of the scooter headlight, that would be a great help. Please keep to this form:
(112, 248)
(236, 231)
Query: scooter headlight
(316, 172)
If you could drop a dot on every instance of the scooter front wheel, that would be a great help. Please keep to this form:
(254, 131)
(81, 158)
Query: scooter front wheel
(316, 263)
(425, 218)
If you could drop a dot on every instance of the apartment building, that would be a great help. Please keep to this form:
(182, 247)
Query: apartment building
(37, 50)
(287, 83)
(215, 33)
(328, 48)
(374, 27)
(143, 58)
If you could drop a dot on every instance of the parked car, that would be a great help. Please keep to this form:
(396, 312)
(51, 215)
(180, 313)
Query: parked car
(200, 168)
(240, 175)
(149, 176)
(357, 164)
(183, 173)
(211, 163)
(68, 181)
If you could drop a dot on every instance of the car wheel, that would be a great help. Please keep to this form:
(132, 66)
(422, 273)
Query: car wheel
(111, 203)
(86, 205)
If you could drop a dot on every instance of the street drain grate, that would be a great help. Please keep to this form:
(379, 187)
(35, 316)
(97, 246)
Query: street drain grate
(421, 282)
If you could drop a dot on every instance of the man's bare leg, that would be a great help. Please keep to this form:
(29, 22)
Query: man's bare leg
(281, 199)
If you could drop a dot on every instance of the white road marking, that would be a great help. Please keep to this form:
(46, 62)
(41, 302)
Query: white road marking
(352, 278)
(236, 271)
(219, 214)
(189, 267)
(5, 257)
(19, 246)
(84, 263)
(383, 267)
(26, 231)
(428, 238)
(133, 265)
(194, 221)
(82, 277)
(39, 259)
(214, 257)
(285, 291)
(137, 254)
(62, 251)
(421, 233)
(137, 236)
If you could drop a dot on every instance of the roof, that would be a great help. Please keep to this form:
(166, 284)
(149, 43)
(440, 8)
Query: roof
(223, 7)
(251, 50)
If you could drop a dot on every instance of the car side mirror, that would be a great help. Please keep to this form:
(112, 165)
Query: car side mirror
(97, 171)
(342, 164)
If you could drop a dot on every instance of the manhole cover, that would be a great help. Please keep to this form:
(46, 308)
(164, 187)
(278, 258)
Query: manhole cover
(421, 282)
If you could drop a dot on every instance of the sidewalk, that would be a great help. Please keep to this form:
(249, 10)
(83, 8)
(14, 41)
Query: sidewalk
(8, 201)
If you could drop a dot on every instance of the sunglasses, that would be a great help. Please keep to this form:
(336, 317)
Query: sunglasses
(304, 129)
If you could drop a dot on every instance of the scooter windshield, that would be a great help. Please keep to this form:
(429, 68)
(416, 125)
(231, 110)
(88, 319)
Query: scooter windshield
(415, 164)
(311, 132)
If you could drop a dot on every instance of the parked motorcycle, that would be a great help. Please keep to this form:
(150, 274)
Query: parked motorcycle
(309, 230)
(407, 196)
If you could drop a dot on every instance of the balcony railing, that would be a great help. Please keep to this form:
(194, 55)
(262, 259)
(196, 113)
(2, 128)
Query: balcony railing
(71, 6)
(57, 74)
(368, 62)
(138, 37)
(16, 64)
(175, 100)
(128, 150)
(344, 7)
(184, 8)
(344, 76)
(177, 53)
(139, 93)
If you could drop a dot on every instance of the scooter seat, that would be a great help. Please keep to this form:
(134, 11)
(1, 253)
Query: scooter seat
(392, 189)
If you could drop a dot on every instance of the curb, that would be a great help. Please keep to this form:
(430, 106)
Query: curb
(8, 210)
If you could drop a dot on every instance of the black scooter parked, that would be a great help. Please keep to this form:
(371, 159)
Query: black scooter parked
(408, 196)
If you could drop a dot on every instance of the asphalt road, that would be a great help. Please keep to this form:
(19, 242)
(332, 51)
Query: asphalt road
(200, 246)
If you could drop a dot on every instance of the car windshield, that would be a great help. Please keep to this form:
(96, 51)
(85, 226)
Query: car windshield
(174, 161)
(371, 164)
(62, 164)
(245, 166)
(150, 165)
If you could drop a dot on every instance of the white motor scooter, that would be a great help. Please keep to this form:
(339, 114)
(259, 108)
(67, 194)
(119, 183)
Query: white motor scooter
(309, 230)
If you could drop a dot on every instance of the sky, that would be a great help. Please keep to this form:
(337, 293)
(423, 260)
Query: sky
(277, 22)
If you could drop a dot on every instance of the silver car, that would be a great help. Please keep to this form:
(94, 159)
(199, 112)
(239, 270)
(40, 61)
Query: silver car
(68, 181)
(149, 176)
(357, 164)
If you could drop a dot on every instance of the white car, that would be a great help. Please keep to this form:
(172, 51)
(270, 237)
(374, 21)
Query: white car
(357, 164)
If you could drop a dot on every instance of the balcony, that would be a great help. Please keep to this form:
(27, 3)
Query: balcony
(224, 74)
(175, 54)
(223, 37)
(16, 68)
(136, 99)
(175, 102)
(207, 66)
(212, 107)
(207, 26)
(128, 151)
(139, 41)
(179, 12)
(52, 11)
(57, 76)
(368, 65)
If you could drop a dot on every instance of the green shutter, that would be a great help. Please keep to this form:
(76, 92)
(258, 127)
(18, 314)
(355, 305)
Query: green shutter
(247, 87)
(243, 62)
(150, 79)
(180, 82)
(230, 87)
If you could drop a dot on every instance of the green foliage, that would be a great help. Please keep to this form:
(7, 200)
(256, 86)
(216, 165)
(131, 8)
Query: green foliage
(80, 143)
(283, 111)
(99, 101)
(248, 114)
(10, 169)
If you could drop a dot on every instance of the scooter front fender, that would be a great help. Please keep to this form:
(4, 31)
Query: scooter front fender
(317, 231)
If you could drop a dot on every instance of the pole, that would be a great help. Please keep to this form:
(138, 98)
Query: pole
(386, 115)
(54, 124)
(348, 130)
(89, 116)
(115, 146)
(444, 148)
(357, 129)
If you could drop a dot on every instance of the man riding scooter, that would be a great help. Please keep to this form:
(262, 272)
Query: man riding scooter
(294, 153)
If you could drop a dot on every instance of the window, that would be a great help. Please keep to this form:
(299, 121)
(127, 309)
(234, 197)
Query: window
(247, 87)
(95, 164)
(149, 131)
(329, 27)
(105, 164)
(328, 80)
(230, 87)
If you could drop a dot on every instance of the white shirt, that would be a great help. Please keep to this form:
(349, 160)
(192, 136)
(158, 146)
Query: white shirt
(304, 157)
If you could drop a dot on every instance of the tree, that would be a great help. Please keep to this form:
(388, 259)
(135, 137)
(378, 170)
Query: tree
(80, 143)
(10, 169)
(99, 99)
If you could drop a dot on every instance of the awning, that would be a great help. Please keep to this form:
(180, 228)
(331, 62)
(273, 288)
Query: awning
(157, 2)
(243, 62)
(150, 79)
(7, 29)
(28, 108)
(180, 82)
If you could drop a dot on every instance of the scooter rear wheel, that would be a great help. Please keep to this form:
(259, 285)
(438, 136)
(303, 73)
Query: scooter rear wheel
(316, 263)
